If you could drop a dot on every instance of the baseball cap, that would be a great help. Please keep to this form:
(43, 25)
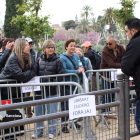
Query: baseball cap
(28, 39)
(86, 44)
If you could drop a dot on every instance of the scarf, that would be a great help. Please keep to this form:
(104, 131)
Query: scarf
(25, 56)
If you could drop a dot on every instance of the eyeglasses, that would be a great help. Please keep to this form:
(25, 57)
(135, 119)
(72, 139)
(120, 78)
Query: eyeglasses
(50, 47)
(110, 43)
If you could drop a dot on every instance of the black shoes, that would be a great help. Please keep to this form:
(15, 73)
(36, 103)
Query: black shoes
(77, 126)
(65, 129)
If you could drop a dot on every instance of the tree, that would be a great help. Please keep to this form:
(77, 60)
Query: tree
(108, 17)
(86, 11)
(59, 36)
(126, 12)
(11, 11)
(84, 26)
(96, 25)
(92, 37)
(69, 24)
(31, 24)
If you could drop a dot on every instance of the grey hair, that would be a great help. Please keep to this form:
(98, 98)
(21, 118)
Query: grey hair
(112, 36)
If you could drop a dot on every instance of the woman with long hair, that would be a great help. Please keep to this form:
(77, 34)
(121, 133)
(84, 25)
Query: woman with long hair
(6, 51)
(19, 65)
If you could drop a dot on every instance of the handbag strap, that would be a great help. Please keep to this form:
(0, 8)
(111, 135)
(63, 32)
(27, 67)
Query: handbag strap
(71, 62)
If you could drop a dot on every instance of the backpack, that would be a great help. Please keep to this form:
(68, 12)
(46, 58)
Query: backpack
(98, 58)
(86, 64)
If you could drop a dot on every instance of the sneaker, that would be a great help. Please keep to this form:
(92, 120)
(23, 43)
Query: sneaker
(77, 126)
(79, 119)
(51, 136)
(34, 136)
(65, 129)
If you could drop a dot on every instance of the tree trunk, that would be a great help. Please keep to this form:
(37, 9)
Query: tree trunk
(37, 44)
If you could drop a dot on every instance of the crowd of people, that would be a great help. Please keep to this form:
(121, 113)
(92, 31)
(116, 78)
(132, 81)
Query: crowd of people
(19, 61)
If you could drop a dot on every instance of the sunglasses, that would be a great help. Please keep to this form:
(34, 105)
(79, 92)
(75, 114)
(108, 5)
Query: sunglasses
(110, 43)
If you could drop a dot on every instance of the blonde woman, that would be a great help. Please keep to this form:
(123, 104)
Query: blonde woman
(49, 63)
(19, 65)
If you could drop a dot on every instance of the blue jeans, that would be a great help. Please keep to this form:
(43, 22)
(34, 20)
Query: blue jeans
(137, 114)
(41, 111)
(109, 97)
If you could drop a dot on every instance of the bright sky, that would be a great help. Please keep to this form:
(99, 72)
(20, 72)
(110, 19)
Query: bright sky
(63, 10)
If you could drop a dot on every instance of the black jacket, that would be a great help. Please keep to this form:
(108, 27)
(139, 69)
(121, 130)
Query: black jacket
(34, 55)
(4, 57)
(50, 66)
(12, 70)
(89, 54)
(1, 43)
(130, 63)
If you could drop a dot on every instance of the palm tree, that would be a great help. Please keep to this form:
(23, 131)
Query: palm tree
(108, 17)
(86, 11)
(84, 26)
(96, 25)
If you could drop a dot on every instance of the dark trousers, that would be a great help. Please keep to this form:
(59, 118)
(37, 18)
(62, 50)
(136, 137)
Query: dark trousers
(109, 97)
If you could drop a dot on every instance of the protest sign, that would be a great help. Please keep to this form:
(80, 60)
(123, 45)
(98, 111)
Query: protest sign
(82, 106)
(29, 88)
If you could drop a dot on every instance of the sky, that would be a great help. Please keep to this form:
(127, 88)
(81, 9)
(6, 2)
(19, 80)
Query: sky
(64, 10)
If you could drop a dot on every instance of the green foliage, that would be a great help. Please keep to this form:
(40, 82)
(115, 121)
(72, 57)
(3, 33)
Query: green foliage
(84, 26)
(11, 11)
(69, 24)
(108, 17)
(31, 24)
(86, 12)
(39, 50)
(126, 12)
(98, 48)
(97, 25)
(60, 47)
(78, 41)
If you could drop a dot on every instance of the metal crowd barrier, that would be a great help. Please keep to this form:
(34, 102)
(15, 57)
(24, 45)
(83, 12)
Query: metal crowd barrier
(95, 127)
(23, 131)
(130, 108)
(29, 123)
(104, 79)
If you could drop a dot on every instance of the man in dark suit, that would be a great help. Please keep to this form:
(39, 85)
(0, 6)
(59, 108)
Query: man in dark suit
(130, 63)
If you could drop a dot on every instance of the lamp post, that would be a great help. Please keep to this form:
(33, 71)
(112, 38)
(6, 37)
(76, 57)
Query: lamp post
(23, 35)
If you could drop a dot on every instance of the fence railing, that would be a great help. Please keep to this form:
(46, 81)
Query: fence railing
(122, 107)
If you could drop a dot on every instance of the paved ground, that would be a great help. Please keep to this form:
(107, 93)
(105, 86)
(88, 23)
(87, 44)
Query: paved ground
(101, 135)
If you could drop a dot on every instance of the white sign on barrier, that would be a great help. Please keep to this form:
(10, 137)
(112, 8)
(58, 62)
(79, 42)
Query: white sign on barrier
(29, 88)
(82, 106)
(114, 76)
